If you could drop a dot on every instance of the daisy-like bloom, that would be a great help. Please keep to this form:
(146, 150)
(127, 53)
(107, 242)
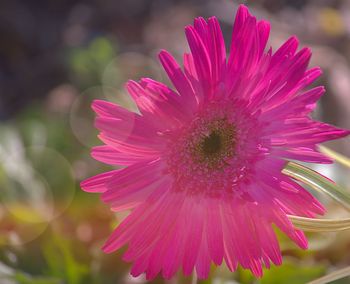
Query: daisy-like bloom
(203, 161)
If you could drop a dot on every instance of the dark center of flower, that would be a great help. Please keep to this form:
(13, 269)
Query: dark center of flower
(212, 144)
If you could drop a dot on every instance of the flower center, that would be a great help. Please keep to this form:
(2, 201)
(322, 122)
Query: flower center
(213, 154)
(212, 143)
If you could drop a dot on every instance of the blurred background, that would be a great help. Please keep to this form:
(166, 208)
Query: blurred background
(56, 56)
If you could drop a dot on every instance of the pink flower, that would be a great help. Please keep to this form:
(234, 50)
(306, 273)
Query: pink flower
(203, 162)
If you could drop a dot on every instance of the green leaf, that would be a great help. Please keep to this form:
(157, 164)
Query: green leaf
(22, 278)
(62, 263)
(290, 273)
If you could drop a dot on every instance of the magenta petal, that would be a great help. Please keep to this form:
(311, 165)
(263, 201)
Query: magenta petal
(263, 33)
(123, 188)
(203, 261)
(207, 38)
(108, 155)
(217, 52)
(194, 237)
(108, 109)
(160, 104)
(177, 77)
(97, 183)
(126, 230)
(214, 232)
(200, 57)
(304, 154)
(287, 50)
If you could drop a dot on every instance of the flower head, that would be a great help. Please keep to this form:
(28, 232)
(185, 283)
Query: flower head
(203, 161)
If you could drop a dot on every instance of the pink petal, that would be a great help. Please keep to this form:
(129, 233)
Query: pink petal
(194, 236)
(139, 136)
(178, 78)
(108, 155)
(214, 232)
(127, 229)
(304, 154)
(200, 57)
(133, 184)
(203, 261)
(159, 103)
(97, 183)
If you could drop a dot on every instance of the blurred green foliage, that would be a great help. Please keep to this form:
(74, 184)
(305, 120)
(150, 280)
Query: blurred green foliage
(292, 273)
(22, 278)
(58, 253)
(87, 63)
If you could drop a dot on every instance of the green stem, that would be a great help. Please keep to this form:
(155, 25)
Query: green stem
(338, 274)
(317, 182)
(324, 185)
(341, 159)
(320, 225)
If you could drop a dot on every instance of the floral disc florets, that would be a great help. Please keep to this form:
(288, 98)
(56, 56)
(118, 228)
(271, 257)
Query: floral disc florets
(210, 155)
